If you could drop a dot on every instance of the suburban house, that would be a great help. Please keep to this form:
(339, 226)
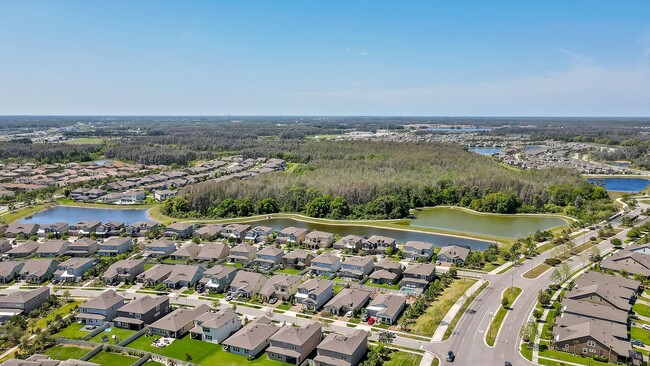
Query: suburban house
(177, 323)
(84, 228)
(216, 327)
(356, 268)
(615, 329)
(5, 246)
(82, 248)
(635, 259)
(73, 269)
(454, 254)
(181, 229)
(123, 271)
(590, 340)
(235, 231)
(16, 230)
(38, 270)
(218, 278)
(387, 272)
(314, 293)
(159, 248)
(280, 286)
(213, 252)
(325, 264)
(386, 307)
(291, 234)
(349, 299)
(243, 253)
(155, 275)
(318, 240)
(9, 270)
(186, 252)
(57, 229)
(349, 242)
(602, 293)
(45, 360)
(209, 232)
(269, 257)
(24, 301)
(418, 276)
(52, 248)
(162, 195)
(252, 339)
(294, 344)
(110, 229)
(100, 309)
(184, 276)
(142, 311)
(378, 244)
(297, 259)
(259, 234)
(594, 277)
(585, 309)
(23, 250)
(247, 284)
(342, 350)
(140, 228)
(418, 249)
(113, 247)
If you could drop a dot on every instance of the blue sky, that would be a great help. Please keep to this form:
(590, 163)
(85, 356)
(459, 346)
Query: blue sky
(435, 58)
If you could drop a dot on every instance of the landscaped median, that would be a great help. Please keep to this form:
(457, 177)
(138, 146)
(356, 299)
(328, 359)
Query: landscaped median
(509, 296)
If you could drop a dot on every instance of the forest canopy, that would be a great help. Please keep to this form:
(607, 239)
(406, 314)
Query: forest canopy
(381, 180)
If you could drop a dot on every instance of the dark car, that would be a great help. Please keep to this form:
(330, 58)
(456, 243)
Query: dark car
(636, 342)
(508, 363)
(450, 356)
(273, 300)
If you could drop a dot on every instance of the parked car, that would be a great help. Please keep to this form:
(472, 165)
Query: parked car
(228, 297)
(371, 321)
(636, 342)
(646, 326)
(365, 317)
(273, 300)
(349, 314)
(450, 356)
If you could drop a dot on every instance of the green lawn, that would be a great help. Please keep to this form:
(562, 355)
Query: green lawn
(511, 294)
(12, 216)
(537, 270)
(284, 306)
(85, 141)
(66, 352)
(120, 333)
(640, 334)
(643, 310)
(403, 359)
(203, 353)
(110, 359)
(527, 352)
(456, 319)
(288, 271)
(64, 310)
(382, 285)
(427, 323)
(73, 331)
(569, 357)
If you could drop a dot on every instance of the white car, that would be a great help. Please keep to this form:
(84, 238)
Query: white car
(348, 314)
(646, 326)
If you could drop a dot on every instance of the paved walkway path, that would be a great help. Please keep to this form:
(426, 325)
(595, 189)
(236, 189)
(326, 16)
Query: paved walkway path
(427, 359)
(500, 268)
(444, 324)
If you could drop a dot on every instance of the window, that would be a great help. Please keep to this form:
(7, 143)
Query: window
(591, 343)
(566, 345)
(592, 350)
(584, 350)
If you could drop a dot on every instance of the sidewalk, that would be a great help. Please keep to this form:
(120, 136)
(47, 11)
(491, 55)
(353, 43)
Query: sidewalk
(500, 268)
(444, 324)
(427, 359)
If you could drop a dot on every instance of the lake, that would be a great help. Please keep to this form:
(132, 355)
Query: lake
(399, 235)
(72, 215)
(486, 150)
(627, 185)
(503, 226)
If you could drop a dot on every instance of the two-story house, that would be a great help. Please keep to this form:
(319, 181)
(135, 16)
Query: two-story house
(112, 228)
(349, 299)
(259, 234)
(113, 247)
(252, 339)
(186, 252)
(208, 232)
(56, 229)
(280, 286)
(243, 253)
(84, 247)
(184, 276)
(141, 228)
(218, 278)
(102, 308)
(155, 275)
(352, 243)
(386, 307)
(268, 258)
(294, 344)
(177, 323)
(159, 248)
(216, 327)
(418, 276)
(23, 302)
(318, 240)
(142, 311)
(182, 230)
(418, 249)
(73, 269)
(325, 264)
(247, 284)
(297, 259)
(342, 350)
(356, 268)
(125, 270)
(291, 234)
(213, 252)
(38, 270)
(314, 293)
(387, 272)
(454, 254)
(378, 244)
(84, 228)
(235, 231)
